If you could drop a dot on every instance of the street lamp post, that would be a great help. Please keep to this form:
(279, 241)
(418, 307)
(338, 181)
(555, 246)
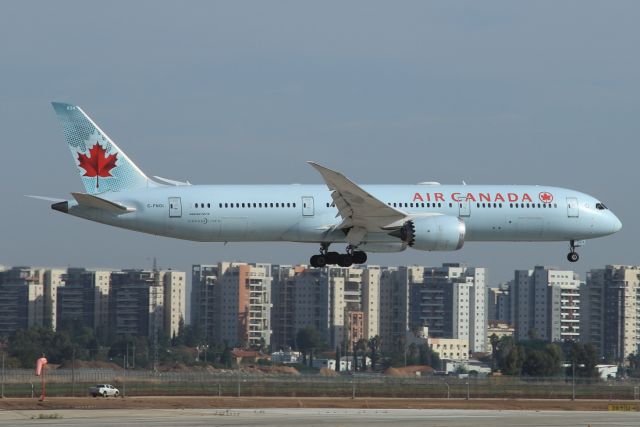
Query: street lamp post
(573, 381)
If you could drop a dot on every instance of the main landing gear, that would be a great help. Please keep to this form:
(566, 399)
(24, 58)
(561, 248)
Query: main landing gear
(334, 258)
(573, 256)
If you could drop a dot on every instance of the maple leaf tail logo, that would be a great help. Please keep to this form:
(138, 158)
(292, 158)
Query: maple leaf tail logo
(546, 197)
(97, 164)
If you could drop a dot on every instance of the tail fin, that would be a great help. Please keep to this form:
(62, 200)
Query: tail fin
(102, 165)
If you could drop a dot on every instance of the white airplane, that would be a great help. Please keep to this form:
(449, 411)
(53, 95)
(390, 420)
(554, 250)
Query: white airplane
(373, 218)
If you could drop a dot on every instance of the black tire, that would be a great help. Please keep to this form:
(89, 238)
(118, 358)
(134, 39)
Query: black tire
(104, 394)
(313, 261)
(573, 257)
(321, 261)
(359, 257)
(116, 394)
(345, 260)
(332, 257)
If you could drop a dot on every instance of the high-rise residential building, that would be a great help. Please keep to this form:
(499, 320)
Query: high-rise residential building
(146, 302)
(53, 279)
(371, 300)
(399, 305)
(611, 311)
(204, 313)
(499, 303)
(84, 299)
(135, 303)
(545, 304)
(340, 303)
(21, 299)
(453, 303)
(282, 313)
(233, 303)
(175, 298)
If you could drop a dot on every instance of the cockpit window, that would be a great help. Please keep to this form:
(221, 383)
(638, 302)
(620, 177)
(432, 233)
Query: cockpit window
(600, 206)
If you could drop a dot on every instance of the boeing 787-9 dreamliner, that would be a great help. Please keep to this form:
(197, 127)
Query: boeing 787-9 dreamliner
(426, 216)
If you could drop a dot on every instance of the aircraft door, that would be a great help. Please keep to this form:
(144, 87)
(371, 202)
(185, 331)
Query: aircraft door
(175, 207)
(572, 207)
(307, 206)
(465, 207)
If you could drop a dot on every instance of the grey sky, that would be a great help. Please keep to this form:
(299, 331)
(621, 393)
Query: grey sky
(542, 92)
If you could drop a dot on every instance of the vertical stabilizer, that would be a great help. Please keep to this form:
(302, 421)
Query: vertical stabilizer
(102, 165)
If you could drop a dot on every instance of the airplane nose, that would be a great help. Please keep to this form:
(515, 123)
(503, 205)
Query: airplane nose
(617, 224)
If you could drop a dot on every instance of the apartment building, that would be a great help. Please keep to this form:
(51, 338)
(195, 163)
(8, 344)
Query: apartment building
(611, 311)
(546, 304)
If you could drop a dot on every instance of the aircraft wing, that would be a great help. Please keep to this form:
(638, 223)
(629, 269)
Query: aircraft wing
(360, 211)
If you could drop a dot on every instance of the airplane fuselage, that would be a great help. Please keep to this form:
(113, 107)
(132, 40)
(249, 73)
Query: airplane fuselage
(305, 213)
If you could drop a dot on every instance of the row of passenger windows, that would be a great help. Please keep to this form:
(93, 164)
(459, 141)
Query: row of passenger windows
(247, 205)
(478, 205)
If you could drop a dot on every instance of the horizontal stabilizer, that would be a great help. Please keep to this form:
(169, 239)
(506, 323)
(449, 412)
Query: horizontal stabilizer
(96, 202)
(48, 199)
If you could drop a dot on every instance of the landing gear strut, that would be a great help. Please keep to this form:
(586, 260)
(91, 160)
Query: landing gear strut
(573, 256)
(334, 258)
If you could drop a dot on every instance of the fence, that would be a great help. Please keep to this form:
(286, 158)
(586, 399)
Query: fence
(65, 382)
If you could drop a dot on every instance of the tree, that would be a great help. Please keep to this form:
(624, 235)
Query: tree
(226, 358)
(585, 359)
(360, 348)
(510, 356)
(494, 350)
(307, 340)
(429, 357)
(374, 351)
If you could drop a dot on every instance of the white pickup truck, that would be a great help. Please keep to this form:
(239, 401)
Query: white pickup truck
(104, 390)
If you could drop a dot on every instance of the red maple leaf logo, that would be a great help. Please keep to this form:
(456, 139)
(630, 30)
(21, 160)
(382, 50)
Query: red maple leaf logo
(97, 164)
(546, 197)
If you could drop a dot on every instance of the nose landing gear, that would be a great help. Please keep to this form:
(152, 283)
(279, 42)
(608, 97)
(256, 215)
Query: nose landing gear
(573, 256)
(334, 258)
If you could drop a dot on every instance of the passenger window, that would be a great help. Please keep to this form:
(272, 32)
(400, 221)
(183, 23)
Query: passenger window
(271, 204)
(208, 205)
(196, 205)
(288, 205)
(439, 205)
(423, 204)
(450, 205)
(294, 205)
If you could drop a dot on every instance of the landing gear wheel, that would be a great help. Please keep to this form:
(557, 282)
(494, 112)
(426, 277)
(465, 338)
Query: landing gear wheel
(318, 261)
(332, 257)
(359, 257)
(573, 256)
(345, 260)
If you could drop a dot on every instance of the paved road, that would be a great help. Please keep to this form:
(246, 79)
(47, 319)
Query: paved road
(318, 417)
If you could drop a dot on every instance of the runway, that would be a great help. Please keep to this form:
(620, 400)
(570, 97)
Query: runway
(316, 417)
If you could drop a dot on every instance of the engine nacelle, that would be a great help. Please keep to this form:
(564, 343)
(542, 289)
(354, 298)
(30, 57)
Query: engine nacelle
(433, 233)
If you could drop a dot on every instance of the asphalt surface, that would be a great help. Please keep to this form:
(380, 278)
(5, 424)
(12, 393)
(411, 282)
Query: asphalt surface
(315, 417)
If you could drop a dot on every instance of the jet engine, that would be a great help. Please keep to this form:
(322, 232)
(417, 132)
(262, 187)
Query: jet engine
(433, 233)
